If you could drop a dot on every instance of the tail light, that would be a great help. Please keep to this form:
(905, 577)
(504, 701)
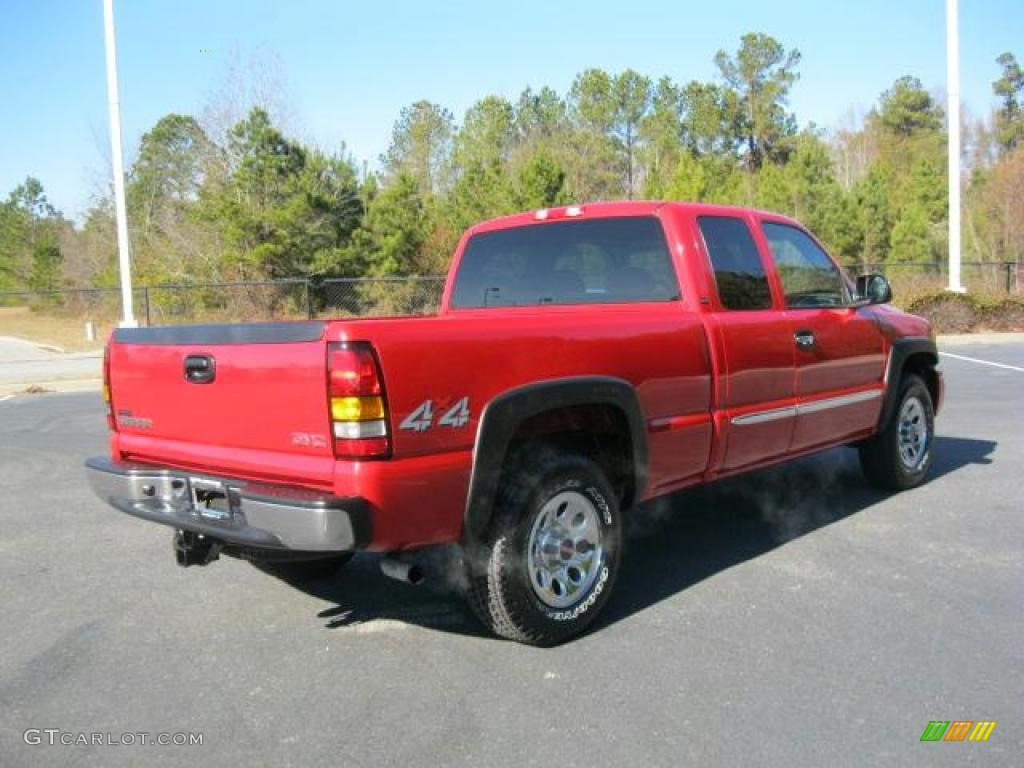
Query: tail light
(359, 418)
(107, 395)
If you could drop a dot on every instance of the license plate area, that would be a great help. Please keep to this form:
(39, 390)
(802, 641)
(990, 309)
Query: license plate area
(210, 498)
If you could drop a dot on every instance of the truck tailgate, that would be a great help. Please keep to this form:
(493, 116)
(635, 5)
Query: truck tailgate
(248, 400)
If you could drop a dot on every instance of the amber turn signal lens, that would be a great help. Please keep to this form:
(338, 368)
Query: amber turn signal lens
(357, 408)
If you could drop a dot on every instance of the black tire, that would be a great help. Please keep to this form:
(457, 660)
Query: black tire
(501, 587)
(881, 459)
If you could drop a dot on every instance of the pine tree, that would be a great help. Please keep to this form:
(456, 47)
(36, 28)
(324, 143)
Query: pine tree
(541, 183)
(761, 73)
(1010, 90)
(911, 238)
(872, 196)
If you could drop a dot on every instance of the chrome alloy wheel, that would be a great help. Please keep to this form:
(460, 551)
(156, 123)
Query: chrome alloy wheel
(913, 434)
(565, 554)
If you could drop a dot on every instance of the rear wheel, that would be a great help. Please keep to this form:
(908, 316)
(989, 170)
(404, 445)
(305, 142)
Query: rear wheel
(899, 456)
(546, 567)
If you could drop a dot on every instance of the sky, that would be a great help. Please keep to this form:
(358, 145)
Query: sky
(350, 67)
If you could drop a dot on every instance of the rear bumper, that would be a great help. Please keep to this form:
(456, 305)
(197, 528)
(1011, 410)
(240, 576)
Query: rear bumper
(249, 514)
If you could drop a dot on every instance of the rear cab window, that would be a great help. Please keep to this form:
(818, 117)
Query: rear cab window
(740, 276)
(605, 260)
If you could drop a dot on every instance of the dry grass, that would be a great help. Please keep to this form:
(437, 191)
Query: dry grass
(55, 329)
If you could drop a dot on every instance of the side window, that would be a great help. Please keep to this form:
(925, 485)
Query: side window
(809, 277)
(739, 273)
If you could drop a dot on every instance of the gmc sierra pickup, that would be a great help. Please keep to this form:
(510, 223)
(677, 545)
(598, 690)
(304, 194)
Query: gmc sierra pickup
(584, 359)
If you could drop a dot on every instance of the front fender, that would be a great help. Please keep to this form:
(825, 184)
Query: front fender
(902, 350)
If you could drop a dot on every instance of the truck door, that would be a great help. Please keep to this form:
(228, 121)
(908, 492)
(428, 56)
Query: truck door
(753, 344)
(839, 348)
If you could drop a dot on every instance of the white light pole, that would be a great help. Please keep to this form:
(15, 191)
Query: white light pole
(120, 209)
(953, 115)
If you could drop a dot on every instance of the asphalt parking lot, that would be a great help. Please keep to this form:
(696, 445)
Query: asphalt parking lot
(789, 618)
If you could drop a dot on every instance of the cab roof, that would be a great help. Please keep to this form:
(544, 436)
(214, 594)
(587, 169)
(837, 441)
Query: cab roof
(614, 209)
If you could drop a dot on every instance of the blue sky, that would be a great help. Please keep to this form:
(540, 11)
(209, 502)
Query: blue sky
(351, 67)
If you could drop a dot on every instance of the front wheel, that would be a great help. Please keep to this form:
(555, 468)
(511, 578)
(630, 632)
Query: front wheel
(899, 456)
(547, 565)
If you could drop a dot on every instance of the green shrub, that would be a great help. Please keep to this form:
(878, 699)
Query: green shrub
(969, 312)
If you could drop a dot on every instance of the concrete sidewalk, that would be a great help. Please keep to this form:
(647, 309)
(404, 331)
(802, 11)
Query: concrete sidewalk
(24, 364)
(959, 339)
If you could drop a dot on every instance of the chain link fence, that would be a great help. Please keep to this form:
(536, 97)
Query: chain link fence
(90, 313)
(910, 279)
(82, 318)
(243, 301)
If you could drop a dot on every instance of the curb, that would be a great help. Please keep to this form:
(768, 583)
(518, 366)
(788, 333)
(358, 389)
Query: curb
(50, 387)
(1002, 337)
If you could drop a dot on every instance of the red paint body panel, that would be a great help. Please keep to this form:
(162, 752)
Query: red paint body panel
(848, 356)
(243, 422)
(756, 350)
(696, 369)
(484, 353)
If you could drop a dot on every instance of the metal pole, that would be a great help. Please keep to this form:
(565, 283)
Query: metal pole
(953, 113)
(117, 161)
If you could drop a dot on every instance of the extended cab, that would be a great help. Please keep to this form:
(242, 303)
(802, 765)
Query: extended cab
(584, 359)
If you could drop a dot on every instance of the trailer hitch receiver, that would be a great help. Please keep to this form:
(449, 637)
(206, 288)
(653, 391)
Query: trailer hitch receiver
(192, 548)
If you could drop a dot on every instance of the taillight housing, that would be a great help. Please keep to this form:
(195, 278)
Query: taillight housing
(359, 418)
(108, 397)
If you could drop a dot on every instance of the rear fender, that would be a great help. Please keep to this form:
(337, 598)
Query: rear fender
(503, 415)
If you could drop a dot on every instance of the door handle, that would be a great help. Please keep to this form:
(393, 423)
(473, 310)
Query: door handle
(200, 369)
(804, 339)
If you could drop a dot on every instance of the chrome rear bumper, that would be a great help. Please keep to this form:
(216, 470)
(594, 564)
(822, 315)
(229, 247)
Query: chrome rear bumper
(230, 510)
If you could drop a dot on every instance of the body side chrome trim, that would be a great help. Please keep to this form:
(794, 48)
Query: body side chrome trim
(838, 402)
(816, 406)
(759, 417)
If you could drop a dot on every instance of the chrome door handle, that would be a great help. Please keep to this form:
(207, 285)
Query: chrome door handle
(804, 339)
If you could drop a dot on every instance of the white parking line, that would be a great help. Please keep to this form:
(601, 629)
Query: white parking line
(5, 397)
(982, 362)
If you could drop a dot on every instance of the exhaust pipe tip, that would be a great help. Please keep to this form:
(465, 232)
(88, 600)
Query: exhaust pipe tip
(401, 570)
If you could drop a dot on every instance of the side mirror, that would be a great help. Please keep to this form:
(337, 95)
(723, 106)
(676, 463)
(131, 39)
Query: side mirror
(874, 289)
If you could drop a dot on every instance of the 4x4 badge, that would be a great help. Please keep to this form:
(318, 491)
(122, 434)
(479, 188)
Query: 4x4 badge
(422, 417)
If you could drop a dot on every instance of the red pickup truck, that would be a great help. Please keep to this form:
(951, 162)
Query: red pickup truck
(584, 359)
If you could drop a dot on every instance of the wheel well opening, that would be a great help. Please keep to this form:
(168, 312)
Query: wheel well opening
(923, 365)
(598, 431)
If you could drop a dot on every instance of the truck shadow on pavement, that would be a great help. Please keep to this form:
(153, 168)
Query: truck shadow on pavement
(671, 543)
